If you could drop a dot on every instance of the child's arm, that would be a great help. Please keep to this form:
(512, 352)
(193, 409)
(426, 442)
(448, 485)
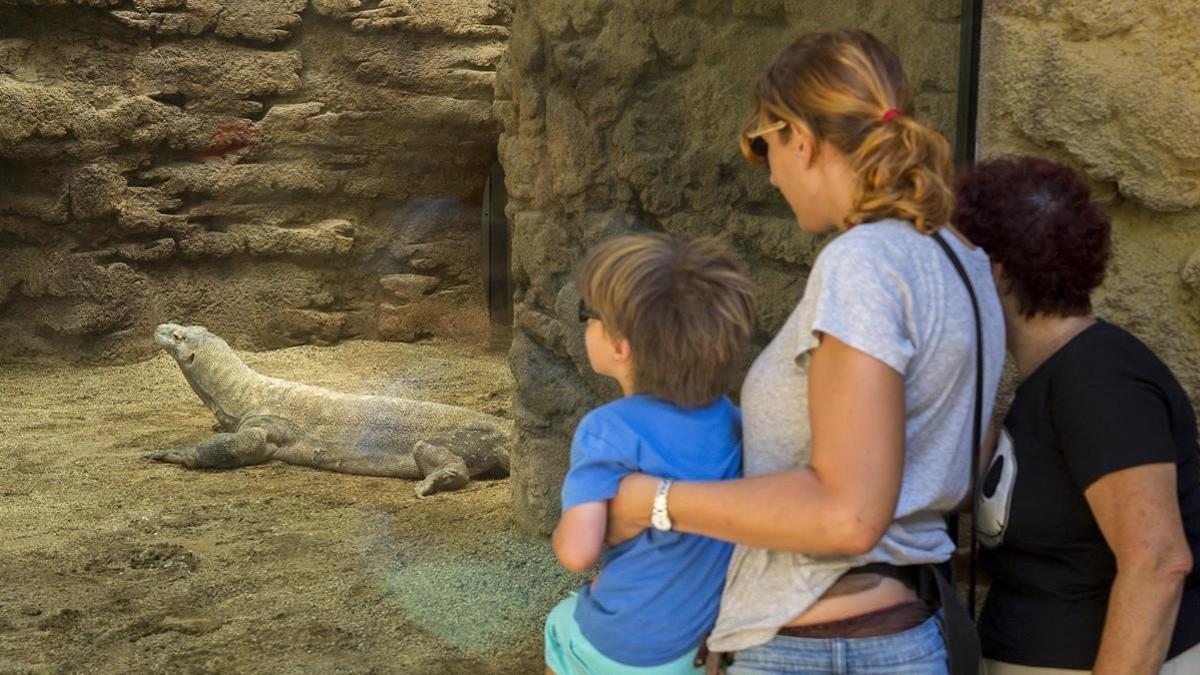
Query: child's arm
(580, 535)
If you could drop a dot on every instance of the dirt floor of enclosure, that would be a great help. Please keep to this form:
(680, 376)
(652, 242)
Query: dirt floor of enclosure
(113, 563)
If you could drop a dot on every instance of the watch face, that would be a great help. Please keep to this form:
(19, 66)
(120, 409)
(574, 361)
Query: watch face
(660, 521)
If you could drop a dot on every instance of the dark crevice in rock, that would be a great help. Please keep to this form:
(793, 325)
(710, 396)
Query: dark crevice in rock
(210, 222)
(264, 102)
(472, 66)
(138, 180)
(174, 98)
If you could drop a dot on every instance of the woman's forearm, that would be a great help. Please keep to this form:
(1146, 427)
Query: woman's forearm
(840, 503)
(1138, 512)
(1139, 622)
(845, 499)
(789, 511)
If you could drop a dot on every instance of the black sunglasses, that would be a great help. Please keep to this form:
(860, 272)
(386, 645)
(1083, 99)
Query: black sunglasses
(759, 147)
(586, 313)
(755, 139)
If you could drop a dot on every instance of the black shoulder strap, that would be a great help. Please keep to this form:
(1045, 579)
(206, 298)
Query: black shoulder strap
(978, 427)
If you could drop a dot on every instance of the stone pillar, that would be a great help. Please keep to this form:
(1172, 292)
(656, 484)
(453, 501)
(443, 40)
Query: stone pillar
(623, 116)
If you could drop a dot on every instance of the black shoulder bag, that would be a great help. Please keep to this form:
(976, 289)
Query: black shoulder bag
(962, 640)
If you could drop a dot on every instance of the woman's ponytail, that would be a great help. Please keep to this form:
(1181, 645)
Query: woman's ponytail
(903, 171)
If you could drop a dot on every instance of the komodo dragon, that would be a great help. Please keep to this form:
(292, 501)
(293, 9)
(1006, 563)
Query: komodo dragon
(264, 419)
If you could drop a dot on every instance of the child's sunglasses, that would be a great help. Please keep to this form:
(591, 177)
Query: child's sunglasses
(586, 313)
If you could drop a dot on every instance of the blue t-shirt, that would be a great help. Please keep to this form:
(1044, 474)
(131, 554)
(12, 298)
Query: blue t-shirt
(658, 593)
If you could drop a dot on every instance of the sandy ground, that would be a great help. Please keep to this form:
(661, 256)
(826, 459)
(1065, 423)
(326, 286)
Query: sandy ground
(113, 563)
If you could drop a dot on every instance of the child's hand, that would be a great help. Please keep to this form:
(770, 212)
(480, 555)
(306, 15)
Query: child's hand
(629, 510)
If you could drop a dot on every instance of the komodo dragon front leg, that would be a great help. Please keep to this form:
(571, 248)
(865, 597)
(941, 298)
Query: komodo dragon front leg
(253, 442)
(221, 451)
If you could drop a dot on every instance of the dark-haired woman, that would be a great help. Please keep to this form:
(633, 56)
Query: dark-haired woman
(858, 416)
(1090, 510)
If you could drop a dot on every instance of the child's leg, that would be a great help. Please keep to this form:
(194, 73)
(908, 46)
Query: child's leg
(560, 626)
(568, 652)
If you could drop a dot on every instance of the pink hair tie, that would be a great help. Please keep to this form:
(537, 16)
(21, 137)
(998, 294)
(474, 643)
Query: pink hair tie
(891, 114)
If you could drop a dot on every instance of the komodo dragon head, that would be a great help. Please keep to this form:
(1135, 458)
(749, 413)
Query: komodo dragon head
(211, 367)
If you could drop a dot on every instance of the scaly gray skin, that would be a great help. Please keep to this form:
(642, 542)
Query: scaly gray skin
(264, 419)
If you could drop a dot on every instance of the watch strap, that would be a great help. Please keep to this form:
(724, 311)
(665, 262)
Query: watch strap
(659, 516)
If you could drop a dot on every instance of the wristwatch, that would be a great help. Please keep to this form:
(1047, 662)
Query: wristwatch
(658, 513)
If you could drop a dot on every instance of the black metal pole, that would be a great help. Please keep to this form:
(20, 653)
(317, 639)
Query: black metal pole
(966, 139)
(968, 81)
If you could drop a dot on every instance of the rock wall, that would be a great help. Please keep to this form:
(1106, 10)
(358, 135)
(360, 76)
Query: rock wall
(1112, 88)
(624, 115)
(282, 171)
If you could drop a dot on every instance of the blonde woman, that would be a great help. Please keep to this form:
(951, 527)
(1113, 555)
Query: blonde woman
(859, 415)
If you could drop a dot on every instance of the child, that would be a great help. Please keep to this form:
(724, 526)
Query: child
(667, 320)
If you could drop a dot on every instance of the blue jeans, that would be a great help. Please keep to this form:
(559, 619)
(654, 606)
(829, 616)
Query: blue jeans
(916, 651)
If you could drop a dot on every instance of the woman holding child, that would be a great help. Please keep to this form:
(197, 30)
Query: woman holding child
(859, 416)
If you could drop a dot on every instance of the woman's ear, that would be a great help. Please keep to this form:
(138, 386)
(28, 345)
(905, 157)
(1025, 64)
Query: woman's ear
(801, 142)
(1003, 283)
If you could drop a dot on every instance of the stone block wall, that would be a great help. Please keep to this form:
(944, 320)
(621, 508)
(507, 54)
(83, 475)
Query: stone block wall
(282, 171)
(1112, 88)
(623, 115)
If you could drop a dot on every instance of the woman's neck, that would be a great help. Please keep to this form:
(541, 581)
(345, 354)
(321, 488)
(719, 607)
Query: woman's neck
(1034, 340)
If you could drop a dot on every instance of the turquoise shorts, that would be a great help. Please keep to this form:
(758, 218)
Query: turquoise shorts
(568, 652)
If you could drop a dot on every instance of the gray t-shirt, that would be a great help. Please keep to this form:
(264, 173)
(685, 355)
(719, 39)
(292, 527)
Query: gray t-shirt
(892, 293)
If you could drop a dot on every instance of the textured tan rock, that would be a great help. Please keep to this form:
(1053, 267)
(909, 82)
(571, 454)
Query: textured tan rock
(403, 289)
(1110, 83)
(1110, 87)
(624, 115)
(327, 238)
(255, 166)
(429, 315)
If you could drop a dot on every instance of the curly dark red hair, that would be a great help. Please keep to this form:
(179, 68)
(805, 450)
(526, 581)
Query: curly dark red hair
(1038, 220)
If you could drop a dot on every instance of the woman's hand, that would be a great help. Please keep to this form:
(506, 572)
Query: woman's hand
(629, 510)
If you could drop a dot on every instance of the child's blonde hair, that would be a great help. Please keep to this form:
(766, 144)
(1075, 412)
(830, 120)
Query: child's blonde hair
(685, 307)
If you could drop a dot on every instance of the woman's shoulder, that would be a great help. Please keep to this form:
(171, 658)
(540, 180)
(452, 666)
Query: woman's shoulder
(890, 230)
(887, 251)
(1107, 353)
(884, 241)
(1103, 340)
